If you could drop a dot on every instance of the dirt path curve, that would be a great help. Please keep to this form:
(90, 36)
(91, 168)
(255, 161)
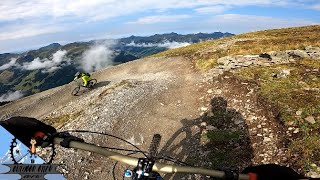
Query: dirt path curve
(41, 104)
(132, 100)
(158, 95)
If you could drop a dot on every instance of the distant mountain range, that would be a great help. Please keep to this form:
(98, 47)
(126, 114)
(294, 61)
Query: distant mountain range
(26, 73)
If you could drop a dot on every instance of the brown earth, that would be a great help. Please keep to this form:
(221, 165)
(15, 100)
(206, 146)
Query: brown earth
(166, 96)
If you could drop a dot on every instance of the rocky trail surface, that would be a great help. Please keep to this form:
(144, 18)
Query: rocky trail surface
(158, 95)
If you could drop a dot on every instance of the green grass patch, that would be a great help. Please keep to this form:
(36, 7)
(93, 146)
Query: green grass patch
(249, 43)
(5, 76)
(63, 119)
(206, 64)
(223, 151)
(306, 151)
(27, 82)
(222, 136)
(299, 91)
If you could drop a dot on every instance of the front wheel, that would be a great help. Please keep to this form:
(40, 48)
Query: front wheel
(76, 91)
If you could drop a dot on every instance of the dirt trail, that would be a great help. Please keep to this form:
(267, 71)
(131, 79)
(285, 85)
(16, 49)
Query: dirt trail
(154, 95)
(132, 100)
(41, 104)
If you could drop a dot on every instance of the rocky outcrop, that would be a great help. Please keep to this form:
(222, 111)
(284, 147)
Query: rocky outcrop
(228, 63)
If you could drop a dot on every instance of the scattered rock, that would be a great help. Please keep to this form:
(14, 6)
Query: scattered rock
(238, 121)
(296, 131)
(210, 91)
(310, 119)
(313, 52)
(203, 109)
(225, 60)
(290, 123)
(284, 73)
(266, 139)
(313, 174)
(218, 91)
(203, 124)
(298, 113)
(297, 54)
(210, 128)
(313, 165)
(265, 55)
(98, 170)
(251, 118)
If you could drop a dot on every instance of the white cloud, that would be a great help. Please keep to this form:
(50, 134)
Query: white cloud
(28, 30)
(212, 9)
(9, 65)
(104, 9)
(48, 65)
(316, 7)
(242, 23)
(21, 9)
(37, 63)
(159, 19)
(21, 19)
(98, 56)
(166, 44)
(11, 96)
(58, 56)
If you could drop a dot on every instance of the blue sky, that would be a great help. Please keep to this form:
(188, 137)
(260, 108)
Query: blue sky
(27, 24)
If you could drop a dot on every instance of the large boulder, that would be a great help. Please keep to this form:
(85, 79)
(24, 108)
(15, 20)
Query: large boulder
(313, 52)
(297, 54)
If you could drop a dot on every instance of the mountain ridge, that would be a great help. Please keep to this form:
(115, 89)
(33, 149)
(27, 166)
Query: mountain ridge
(31, 70)
(234, 102)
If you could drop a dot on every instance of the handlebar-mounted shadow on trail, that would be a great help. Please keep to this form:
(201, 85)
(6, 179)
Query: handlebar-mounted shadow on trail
(217, 140)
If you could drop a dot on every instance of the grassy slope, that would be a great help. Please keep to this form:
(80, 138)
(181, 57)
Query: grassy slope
(298, 92)
(5, 76)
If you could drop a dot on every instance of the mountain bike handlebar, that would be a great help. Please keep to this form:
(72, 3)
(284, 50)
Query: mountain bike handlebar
(158, 167)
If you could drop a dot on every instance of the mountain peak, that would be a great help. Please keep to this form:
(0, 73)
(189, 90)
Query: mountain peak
(51, 46)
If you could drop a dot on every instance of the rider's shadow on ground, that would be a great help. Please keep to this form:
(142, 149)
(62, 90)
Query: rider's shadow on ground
(86, 90)
(102, 83)
(222, 142)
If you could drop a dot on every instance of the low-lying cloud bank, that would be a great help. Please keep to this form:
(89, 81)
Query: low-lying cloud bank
(9, 65)
(47, 65)
(11, 96)
(165, 44)
(98, 56)
(58, 60)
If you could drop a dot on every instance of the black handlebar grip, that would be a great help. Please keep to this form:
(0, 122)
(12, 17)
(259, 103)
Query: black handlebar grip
(153, 149)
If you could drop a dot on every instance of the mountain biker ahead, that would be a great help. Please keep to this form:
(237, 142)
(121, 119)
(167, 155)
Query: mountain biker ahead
(84, 76)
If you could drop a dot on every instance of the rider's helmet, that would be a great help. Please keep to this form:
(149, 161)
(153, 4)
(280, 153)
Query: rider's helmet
(77, 74)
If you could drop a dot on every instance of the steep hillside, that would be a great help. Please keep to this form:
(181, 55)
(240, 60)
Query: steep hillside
(281, 67)
(54, 65)
(228, 103)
